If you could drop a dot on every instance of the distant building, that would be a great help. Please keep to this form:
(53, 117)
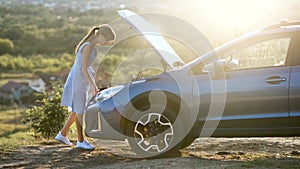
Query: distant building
(14, 91)
(37, 84)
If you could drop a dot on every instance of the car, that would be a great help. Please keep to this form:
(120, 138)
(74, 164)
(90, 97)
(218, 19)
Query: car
(247, 87)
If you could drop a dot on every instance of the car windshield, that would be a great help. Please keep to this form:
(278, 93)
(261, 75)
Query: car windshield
(139, 60)
(206, 54)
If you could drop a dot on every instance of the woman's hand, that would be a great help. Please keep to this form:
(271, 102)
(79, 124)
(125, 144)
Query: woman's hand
(109, 43)
(94, 90)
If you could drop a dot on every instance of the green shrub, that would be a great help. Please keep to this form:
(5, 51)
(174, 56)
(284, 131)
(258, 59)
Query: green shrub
(47, 117)
(6, 46)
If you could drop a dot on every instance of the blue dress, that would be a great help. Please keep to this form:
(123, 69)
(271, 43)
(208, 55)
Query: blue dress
(76, 89)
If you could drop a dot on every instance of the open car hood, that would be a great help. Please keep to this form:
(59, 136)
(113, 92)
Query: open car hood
(159, 43)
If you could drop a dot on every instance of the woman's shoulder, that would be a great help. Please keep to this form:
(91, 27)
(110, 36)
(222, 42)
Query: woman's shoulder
(86, 44)
(82, 47)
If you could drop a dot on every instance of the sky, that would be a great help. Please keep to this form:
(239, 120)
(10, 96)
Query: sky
(223, 20)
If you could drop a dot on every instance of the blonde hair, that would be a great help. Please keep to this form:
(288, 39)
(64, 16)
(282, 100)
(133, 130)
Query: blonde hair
(105, 30)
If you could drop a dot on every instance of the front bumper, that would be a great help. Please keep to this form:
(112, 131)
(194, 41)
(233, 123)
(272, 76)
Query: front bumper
(102, 126)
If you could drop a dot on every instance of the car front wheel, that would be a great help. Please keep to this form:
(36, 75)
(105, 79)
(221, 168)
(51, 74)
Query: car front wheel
(153, 134)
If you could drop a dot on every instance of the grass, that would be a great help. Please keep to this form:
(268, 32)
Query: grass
(17, 77)
(15, 134)
(10, 119)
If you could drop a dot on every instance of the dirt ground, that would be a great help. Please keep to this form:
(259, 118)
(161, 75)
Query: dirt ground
(206, 153)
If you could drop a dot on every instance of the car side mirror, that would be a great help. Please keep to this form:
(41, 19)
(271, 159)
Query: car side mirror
(233, 64)
(217, 69)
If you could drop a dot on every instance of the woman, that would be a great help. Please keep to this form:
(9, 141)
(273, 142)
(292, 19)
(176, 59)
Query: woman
(80, 82)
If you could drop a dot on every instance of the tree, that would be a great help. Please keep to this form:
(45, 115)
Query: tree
(6, 46)
(13, 32)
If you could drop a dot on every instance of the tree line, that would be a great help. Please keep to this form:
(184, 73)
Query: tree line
(34, 38)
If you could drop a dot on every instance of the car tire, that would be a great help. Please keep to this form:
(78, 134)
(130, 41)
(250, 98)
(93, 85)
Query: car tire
(187, 141)
(152, 134)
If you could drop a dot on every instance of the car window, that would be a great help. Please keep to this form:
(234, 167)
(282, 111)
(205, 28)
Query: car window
(268, 53)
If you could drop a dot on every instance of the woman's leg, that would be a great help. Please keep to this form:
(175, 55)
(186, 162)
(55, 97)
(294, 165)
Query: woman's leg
(82, 143)
(79, 121)
(71, 119)
(62, 135)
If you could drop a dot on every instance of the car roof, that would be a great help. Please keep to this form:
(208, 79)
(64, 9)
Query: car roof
(281, 24)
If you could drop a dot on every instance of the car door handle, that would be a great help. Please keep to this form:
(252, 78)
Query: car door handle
(275, 79)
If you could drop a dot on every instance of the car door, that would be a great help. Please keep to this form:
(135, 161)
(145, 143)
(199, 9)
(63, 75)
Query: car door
(294, 92)
(257, 78)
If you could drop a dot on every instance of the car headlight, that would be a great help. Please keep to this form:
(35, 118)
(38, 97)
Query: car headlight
(108, 93)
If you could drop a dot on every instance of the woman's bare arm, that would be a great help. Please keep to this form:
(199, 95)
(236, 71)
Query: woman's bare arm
(86, 51)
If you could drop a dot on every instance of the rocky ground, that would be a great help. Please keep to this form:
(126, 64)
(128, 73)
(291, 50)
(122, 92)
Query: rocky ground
(272, 153)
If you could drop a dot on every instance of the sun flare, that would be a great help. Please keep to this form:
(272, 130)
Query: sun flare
(227, 19)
